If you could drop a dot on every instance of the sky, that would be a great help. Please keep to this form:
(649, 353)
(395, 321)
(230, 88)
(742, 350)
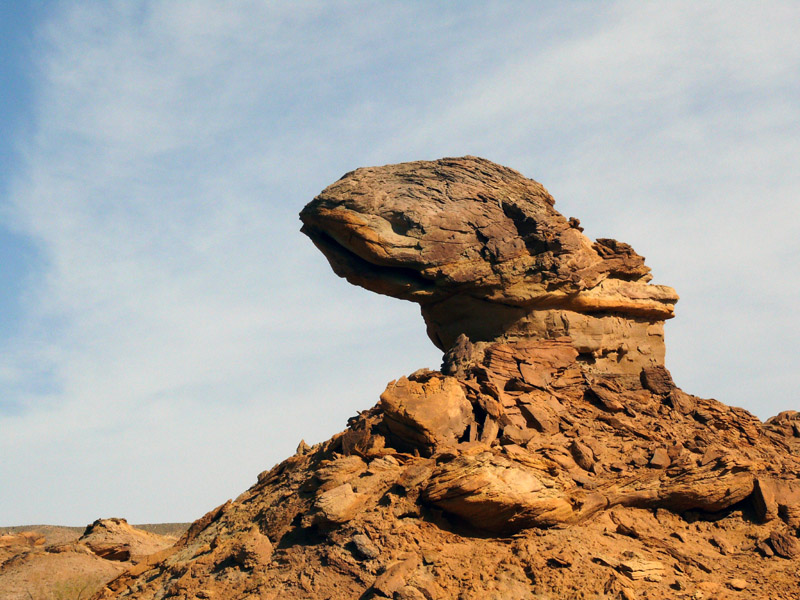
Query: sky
(167, 333)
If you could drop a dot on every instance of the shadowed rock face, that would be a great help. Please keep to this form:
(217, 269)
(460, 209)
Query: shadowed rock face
(485, 254)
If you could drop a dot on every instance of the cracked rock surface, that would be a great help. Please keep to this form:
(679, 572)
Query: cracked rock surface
(534, 463)
(484, 252)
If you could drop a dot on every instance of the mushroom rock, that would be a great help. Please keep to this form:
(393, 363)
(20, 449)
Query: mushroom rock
(482, 250)
(551, 456)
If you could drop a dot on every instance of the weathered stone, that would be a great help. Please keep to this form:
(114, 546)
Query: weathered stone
(364, 547)
(484, 252)
(784, 545)
(339, 504)
(496, 494)
(425, 414)
(554, 344)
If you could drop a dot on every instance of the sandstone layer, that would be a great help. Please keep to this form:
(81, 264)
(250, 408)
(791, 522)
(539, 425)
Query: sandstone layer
(484, 252)
(534, 464)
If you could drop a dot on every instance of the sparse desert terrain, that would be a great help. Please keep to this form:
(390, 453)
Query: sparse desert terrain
(46, 562)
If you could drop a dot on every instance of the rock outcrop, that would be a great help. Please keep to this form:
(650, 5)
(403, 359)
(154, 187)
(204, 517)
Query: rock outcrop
(485, 254)
(115, 539)
(57, 562)
(552, 456)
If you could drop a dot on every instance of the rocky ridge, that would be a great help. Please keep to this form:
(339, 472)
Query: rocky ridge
(552, 456)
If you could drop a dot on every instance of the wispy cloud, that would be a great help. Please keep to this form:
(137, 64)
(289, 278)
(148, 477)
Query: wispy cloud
(182, 335)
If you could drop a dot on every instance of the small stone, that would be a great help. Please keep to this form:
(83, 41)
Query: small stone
(305, 582)
(605, 399)
(784, 545)
(636, 568)
(583, 455)
(409, 592)
(724, 546)
(764, 548)
(708, 587)
(517, 435)
(560, 560)
(338, 505)
(539, 418)
(764, 500)
(660, 459)
(657, 379)
(364, 547)
(680, 401)
(394, 577)
(711, 455)
(421, 415)
(252, 549)
(737, 584)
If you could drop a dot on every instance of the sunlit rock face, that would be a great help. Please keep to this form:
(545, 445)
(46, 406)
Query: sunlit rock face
(482, 250)
(551, 456)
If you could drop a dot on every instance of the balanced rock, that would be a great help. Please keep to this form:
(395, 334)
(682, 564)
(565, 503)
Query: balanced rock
(485, 254)
(553, 456)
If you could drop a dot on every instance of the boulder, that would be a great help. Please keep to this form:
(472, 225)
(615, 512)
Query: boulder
(496, 494)
(427, 413)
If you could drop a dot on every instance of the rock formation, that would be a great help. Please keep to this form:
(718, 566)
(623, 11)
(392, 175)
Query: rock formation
(55, 562)
(552, 456)
(485, 254)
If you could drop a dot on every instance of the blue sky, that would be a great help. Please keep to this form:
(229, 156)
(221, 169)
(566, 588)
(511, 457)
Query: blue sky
(17, 253)
(167, 333)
